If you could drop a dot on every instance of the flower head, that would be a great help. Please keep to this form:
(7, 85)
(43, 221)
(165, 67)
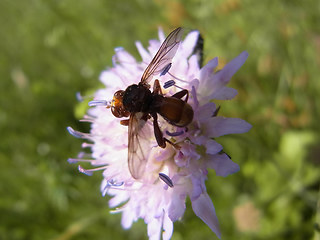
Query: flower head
(180, 169)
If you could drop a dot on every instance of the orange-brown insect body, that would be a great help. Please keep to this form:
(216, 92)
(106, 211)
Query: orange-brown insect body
(176, 111)
(138, 98)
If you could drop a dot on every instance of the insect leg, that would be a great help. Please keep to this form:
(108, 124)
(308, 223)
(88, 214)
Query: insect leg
(159, 135)
(181, 94)
(125, 122)
(157, 87)
(157, 132)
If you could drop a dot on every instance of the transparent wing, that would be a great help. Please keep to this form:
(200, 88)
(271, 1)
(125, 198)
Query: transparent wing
(138, 135)
(164, 55)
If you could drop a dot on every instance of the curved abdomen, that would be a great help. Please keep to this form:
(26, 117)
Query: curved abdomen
(176, 111)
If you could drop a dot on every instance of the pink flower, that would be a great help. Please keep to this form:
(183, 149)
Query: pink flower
(160, 199)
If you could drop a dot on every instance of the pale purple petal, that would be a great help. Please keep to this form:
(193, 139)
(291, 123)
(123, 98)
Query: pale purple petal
(219, 126)
(177, 207)
(231, 68)
(224, 93)
(148, 197)
(204, 209)
(211, 83)
(205, 112)
(198, 186)
(213, 147)
(208, 71)
(222, 164)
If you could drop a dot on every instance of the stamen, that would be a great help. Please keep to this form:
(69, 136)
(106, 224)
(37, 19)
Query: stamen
(96, 103)
(117, 210)
(166, 69)
(79, 97)
(89, 172)
(169, 83)
(181, 80)
(166, 179)
(113, 183)
(76, 160)
(175, 134)
(194, 95)
(77, 134)
(87, 118)
(85, 145)
(84, 155)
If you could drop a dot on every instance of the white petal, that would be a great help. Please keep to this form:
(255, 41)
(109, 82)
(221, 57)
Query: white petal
(154, 229)
(123, 57)
(204, 209)
(145, 55)
(127, 219)
(222, 164)
(110, 79)
(189, 43)
(161, 35)
(119, 198)
(219, 126)
(167, 228)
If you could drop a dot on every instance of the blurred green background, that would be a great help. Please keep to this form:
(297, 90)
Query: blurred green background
(52, 49)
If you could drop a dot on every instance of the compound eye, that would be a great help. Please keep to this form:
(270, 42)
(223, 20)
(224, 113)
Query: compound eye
(117, 108)
(118, 95)
(116, 112)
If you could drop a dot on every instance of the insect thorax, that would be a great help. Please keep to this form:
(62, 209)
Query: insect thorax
(137, 98)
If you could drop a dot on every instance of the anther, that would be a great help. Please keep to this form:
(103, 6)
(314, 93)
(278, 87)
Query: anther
(166, 179)
(95, 103)
(76, 160)
(174, 134)
(169, 83)
(166, 69)
(77, 134)
(79, 97)
(113, 183)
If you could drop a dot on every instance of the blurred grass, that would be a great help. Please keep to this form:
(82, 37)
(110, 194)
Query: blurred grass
(52, 49)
